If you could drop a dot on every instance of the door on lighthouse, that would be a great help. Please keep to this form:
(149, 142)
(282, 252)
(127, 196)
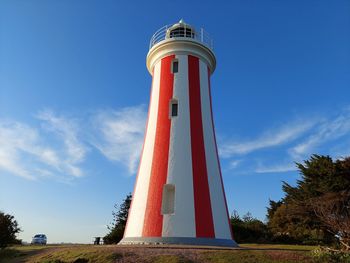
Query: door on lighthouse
(168, 202)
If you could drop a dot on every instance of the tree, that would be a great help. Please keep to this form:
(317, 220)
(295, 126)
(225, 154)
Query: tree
(272, 209)
(117, 227)
(333, 209)
(8, 230)
(295, 217)
(248, 229)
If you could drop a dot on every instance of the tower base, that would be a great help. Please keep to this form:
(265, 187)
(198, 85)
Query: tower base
(193, 241)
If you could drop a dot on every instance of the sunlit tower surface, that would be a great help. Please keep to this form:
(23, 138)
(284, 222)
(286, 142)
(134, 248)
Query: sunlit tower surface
(179, 196)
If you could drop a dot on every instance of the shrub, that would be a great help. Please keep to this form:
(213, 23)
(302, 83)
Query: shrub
(8, 230)
(323, 255)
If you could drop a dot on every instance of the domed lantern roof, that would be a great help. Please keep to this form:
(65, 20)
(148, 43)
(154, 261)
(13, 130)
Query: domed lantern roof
(180, 29)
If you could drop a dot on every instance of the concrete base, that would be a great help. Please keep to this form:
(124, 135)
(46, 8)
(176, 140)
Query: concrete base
(178, 241)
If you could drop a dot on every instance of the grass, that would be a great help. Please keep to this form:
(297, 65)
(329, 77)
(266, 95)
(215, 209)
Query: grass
(170, 259)
(278, 246)
(256, 256)
(18, 253)
(105, 254)
(76, 254)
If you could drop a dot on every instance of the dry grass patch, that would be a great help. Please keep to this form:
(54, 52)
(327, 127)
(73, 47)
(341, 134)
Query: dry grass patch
(175, 254)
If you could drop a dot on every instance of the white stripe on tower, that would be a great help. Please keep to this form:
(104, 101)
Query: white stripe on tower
(221, 227)
(139, 200)
(182, 222)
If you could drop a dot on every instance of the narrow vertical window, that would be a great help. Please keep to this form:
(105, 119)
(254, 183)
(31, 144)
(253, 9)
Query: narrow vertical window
(173, 109)
(175, 66)
(168, 202)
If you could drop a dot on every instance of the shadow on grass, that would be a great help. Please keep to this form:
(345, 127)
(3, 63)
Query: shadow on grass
(170, 259)
(13, 254)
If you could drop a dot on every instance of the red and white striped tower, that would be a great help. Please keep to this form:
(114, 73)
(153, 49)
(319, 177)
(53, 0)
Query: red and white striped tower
(179, 195)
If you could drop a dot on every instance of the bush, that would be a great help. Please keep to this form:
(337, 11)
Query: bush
(323, 255)
(248, 229)
(8, 230)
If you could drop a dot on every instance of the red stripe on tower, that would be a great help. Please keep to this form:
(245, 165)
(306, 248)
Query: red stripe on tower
(203, 211)
(153, 222)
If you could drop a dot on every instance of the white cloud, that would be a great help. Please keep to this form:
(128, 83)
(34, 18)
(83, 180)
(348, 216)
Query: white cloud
(120, 134)
(68, 131)
(50, 157)
(234, 163)
(73, 151)
(18, 140)
(296, 141)
(9, 162)
(27, 151)
(44, 173)
(328, 130)
(281, 168)
(270, 138)
(57, 148)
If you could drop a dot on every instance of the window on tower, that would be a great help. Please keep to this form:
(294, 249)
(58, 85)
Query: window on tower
(175, 66)
(168, 202)
(173, 109)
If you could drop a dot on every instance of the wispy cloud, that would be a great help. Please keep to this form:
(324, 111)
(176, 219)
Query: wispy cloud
(290, 143)
(280, 168)
(68, 132)
(59, 145)
(119, 134)
(271, 138)
(328, 130)
(234, 163)
(19, 145)
(28, 152)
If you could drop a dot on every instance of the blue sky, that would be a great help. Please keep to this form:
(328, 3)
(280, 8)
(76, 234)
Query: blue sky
(74, 92)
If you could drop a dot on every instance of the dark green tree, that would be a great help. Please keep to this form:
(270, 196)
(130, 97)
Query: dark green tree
(272, 208)
(293, 218)
(8, 230)
(117, 227)
(248, 229)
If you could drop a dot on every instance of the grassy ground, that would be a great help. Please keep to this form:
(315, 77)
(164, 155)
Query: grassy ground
(248, 253)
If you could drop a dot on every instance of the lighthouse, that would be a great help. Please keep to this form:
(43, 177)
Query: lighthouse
(179, 196)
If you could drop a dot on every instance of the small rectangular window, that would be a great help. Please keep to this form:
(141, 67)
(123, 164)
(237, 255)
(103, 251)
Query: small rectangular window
(173, 109)
(175, 66)
(168, 202)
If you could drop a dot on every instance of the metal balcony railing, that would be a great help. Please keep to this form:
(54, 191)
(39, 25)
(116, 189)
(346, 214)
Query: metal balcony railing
(168, 31)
